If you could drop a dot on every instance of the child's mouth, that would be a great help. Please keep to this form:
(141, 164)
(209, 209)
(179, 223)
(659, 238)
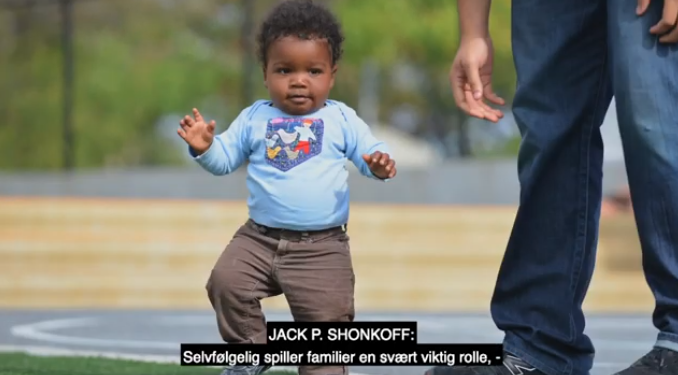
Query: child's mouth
(299, 99)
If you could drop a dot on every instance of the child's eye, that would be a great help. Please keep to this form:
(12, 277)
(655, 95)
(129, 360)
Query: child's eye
(316, 71)
(282, 70)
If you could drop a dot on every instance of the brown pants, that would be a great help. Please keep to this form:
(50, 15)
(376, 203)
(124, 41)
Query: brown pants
(313, 270)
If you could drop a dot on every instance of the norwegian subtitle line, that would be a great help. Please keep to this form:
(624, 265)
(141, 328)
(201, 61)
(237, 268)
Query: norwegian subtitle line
(348, 355)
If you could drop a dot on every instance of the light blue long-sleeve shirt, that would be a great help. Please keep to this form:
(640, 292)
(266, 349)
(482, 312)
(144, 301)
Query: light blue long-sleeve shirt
(297, 176)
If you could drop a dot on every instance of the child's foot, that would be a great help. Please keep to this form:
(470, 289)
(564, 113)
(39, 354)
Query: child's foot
(245, 370)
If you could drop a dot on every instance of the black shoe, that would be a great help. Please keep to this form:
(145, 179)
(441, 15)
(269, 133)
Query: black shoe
(512, 365)
(657, 361)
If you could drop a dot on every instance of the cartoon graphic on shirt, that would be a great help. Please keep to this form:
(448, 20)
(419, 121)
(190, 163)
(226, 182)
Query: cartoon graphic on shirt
(292, 141)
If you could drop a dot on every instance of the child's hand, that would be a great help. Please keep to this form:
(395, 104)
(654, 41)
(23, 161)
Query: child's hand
(381, 165)
(197, 133)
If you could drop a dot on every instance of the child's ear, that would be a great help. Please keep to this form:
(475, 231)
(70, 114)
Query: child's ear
(334, 73)
(265, 78)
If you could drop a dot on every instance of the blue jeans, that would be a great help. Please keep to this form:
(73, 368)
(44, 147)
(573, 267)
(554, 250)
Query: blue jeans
(571, 57)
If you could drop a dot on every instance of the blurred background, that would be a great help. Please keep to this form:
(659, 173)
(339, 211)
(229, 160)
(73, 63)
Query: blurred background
(101, 207)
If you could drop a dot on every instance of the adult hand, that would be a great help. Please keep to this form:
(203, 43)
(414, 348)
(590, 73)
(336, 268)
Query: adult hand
(666, 27)
(471, 79)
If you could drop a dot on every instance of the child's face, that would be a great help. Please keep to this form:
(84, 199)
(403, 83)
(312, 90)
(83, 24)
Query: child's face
(299, 74)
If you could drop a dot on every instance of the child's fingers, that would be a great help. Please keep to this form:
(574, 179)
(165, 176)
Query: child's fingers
(383, 160)
(188, 121)
(182, 133)
(198, 116)
(212, 124)
(381, 164)
(376, 156)
(391, 169)
(390, 165)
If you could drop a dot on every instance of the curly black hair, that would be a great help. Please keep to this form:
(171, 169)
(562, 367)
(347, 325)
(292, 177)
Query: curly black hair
(303, 19)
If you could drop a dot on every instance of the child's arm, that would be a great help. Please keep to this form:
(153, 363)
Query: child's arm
(228, 150)
(360, 142)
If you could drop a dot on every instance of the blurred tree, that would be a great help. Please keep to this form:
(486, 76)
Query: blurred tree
(137, 61)
(423, 34)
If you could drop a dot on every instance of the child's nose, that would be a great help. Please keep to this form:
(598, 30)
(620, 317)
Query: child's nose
(298, 80)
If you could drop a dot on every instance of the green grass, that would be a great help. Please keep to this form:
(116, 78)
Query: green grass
(24, 364)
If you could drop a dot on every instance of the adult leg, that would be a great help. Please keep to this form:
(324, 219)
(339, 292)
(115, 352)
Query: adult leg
(563, 94)
(645, 76)
(317, 278)
(239, 280)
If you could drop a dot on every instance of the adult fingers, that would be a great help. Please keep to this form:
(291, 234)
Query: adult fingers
(457, 82)
(671, 37)
(479, 109)
(492, 96)
(472, 72)
(668, 20)
(642, 6)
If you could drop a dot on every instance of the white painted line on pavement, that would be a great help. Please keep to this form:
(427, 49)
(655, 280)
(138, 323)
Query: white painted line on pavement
(36, 331)
(48, 351)
(463, 325)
